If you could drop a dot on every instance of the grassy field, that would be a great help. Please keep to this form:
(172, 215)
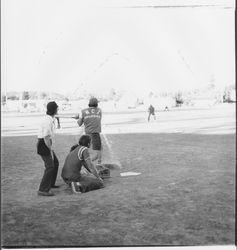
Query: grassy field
(185, 194)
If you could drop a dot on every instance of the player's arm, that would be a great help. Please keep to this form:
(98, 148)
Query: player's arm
(57, 118)
(80, 119)
(89, 165)
(48, 143)
(47, 135)
(80, 122)
(76, 116)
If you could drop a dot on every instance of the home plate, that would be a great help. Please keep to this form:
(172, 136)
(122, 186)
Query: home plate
(129, 173)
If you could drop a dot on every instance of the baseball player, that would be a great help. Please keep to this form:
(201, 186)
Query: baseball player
(91, 118)
(71, 173)
(151, 111)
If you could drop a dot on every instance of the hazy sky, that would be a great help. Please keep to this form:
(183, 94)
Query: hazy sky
(64, 45)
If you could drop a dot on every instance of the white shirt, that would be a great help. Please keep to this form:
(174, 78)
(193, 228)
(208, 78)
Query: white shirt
(47, 127)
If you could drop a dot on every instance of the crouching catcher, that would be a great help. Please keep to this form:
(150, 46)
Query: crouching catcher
(72, 174)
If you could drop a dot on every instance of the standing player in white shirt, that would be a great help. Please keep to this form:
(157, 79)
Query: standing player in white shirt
(44, 149)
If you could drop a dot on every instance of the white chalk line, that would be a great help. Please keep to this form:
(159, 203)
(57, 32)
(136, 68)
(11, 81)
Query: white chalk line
(111, 152)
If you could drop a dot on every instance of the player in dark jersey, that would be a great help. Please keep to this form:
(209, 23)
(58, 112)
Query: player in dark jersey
(91, 118)
(72, 173)
(151, 111)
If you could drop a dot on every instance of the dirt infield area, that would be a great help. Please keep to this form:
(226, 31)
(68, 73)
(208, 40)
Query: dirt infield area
(185, 194)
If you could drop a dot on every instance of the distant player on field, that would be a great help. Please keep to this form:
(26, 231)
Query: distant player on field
(166, 108)
(151, 111)
(91, 118)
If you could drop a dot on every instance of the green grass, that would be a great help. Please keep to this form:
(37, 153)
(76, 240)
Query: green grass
(185, 194)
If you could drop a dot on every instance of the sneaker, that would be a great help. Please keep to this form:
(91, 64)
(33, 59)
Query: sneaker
(42, 193)
(76, 187)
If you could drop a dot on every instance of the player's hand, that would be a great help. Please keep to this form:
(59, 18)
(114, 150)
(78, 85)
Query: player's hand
(101, 179)
(76, 117)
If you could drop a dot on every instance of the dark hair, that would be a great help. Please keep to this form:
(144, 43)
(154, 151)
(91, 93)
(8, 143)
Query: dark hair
(84, 140)
(52, 108)
(93, 102)
(73, 147)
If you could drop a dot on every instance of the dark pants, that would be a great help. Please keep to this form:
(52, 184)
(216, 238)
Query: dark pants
(96, 141)
(151, 113)
(50, 172)
(88, 182)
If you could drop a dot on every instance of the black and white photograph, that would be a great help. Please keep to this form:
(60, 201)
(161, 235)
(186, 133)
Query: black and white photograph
(118, 124)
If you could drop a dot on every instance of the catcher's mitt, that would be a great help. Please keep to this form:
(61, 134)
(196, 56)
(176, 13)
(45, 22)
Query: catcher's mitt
(103, 171)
